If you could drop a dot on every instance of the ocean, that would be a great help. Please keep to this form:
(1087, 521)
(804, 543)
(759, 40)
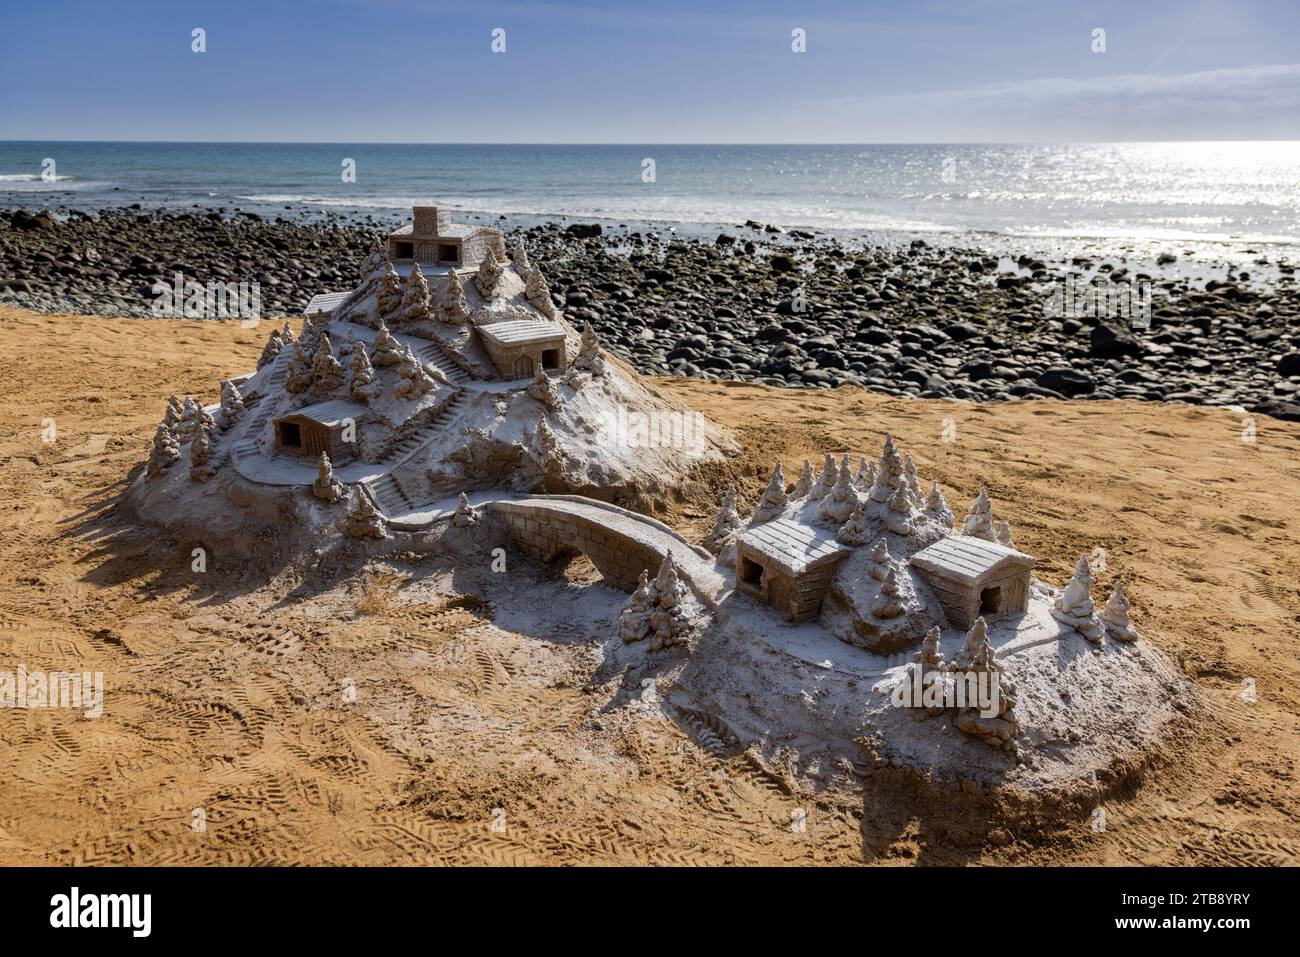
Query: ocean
(1231, 193)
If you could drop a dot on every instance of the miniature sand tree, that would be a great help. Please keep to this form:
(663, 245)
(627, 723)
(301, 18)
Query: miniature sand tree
(1074, 606)
(274, 343)
(546, 447)
(889, 603)
(866, 476)
(774, 499)
(415, 305)
(985, 678)
(201, 452)
(538, 292)
(363, 383)
(542, 388)
(519, 256)
(325, 488)
(414, 380)
(881, 562)
(364, 520)
(232, 405)
(589, 358)
(842, 500)
(1114, 615)
(913, 480)
(166, 450)
(386, 350)
(936, 506)
(489, 275)
(980, 523)
(668, 621)
(189, 420)
(898, 517)
(299, 376)
(466, 515)
(726, 526)
(929, 661)
(452, 307)
(826, 480)
(854, 530)
(389, 290)
(807, 479)
(634, 620)
(326, 373)
(929, 657)
(173, 413)
(889, 473)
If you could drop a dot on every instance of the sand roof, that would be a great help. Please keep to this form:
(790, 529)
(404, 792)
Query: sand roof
(329, 413)
(518, 331)
(965, 559)
(324, 302)
(793, 546)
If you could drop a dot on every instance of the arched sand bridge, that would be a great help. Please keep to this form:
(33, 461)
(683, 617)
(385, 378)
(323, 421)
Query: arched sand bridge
(618, 542)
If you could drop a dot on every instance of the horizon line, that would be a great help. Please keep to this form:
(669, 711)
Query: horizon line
(1084, 142)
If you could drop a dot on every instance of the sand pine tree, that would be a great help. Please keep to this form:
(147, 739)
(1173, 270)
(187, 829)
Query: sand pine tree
(389, 290)
(589, 358)
(452, 306)
(929, 657)
(325, 488)
(174, 413)
(726, 524)
(201, 452)
(936, 506)
(489, 275)
(542, 388)
(232, 405)
(415, 305)
(979, 520)
(326, 373)
(913, 480)
(363, 384)
(466, 515)
(166, 450)
(286, 334)
(889, 603)
(634, 620)
(387, 352)
(668, 621)
(830, 474)
(866, 476)
(1074, 606)
(414, 380)
(519, 256)
(889, 473)
(838, 505)
(804, 484)
(774, 499)
(274, 343)
(854, 531)
(898, 517)
(189, 420)
(364, 520)
(1114, 615)
(538, 292)
(299, 378)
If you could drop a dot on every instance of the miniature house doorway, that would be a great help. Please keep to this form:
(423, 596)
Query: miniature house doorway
(447, 252)
(991, 601)
(550, 359)
(751, 573)
(524, 367)
(403, 250)
(290, 435)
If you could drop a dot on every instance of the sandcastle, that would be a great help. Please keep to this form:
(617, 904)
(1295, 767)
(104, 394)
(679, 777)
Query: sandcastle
(448, 395)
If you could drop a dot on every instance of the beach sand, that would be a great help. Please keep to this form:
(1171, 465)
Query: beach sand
(219, 696)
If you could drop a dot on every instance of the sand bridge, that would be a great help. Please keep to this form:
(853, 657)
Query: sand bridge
(618, 542)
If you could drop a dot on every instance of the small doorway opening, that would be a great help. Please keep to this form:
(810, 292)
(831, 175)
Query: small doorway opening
(751, 573)
(524, 367)
(290, 435)
(550, 358)
(447, 252)
(403, 250)
(991, 601)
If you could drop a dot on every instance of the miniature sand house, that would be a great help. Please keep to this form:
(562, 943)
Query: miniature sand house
(519, 348)
(789, 565)
(328, 427)
(972, 577)
(433, 241)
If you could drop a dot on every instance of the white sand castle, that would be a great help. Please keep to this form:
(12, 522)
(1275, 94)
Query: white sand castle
(451, 370)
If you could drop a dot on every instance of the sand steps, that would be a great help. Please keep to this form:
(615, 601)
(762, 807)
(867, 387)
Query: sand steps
(388, 494)
(262, 411)
(432, 354)
(387, 490)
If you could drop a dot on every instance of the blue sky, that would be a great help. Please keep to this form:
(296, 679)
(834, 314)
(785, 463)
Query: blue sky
(653, 71)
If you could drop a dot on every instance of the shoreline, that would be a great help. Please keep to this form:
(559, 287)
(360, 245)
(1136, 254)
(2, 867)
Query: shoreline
(921, 317)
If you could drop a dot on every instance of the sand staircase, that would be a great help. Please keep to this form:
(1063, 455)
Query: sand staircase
(386, 490)
(434, 353)
(262, 411)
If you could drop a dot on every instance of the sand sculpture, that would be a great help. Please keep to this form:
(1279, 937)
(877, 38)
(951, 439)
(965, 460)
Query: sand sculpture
(462, 374)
